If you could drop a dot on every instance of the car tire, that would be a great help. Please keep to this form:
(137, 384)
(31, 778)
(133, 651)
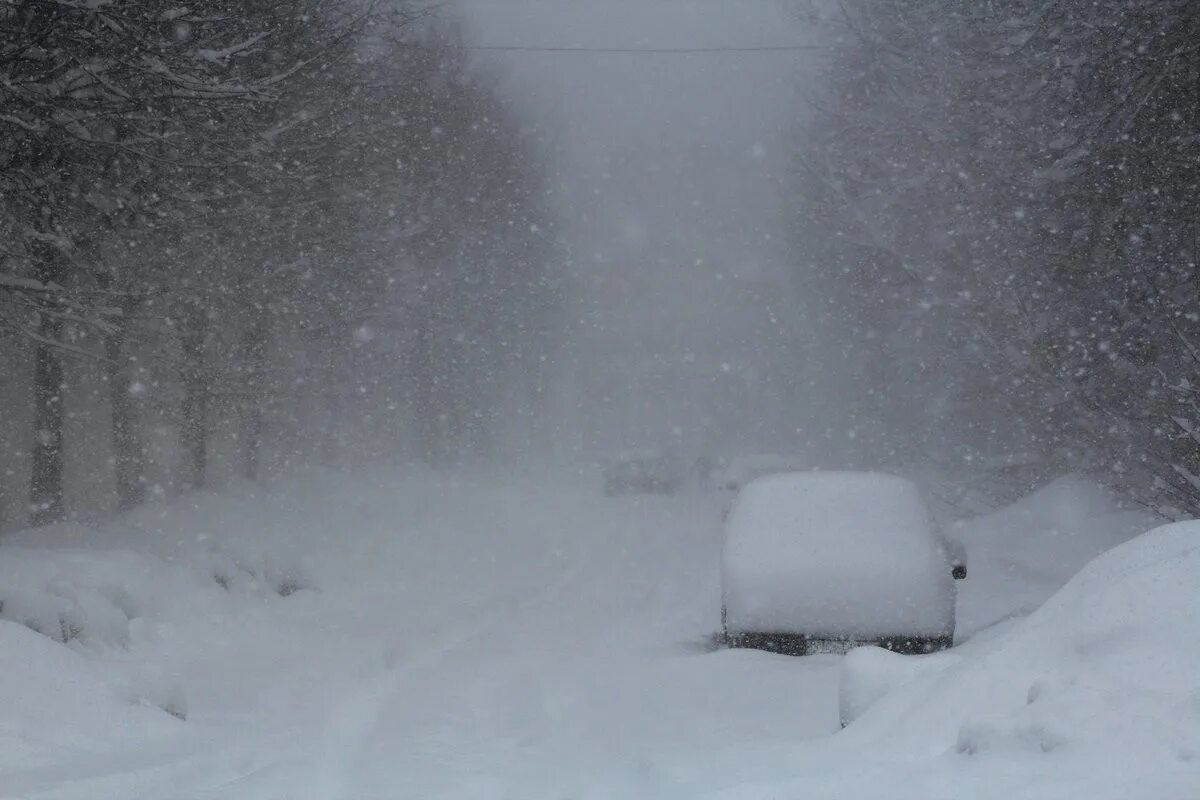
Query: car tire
(916, 645)
(784, 644)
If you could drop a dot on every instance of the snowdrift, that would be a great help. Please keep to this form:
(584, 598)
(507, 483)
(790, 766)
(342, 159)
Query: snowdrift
(54, 705)
(869, 673)
(109, 633)
(1023, 553)
(1096, 694)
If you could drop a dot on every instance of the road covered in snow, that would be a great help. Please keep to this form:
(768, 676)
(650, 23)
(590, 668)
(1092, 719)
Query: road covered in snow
(554, 643)
(449, 637)
(407, 634)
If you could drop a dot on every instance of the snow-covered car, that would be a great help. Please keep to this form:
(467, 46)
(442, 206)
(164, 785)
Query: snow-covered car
(642, 473)
(741, 470)
(827, 561)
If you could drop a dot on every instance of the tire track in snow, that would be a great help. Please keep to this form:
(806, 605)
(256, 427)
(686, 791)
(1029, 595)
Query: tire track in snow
(354, 722)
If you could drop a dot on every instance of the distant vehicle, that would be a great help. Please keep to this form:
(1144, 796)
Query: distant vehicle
(828, 561)
(741, 470)
(643, 472)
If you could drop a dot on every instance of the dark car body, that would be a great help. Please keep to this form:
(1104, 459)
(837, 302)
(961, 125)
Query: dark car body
(642, 474)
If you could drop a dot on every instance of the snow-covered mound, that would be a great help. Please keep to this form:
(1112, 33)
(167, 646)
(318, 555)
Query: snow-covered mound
(1025, 552)
(869, 673)
(271, 541)
(209, 598)
(54, 707)
(97, 598)
(1096, 694)
(95, 586)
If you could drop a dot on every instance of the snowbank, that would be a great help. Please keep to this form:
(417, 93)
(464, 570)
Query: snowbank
(1025, 552)
(100, 587)
(1096, 694)
(209, 598)
(869, 673)
(835, 554)
(55, 707)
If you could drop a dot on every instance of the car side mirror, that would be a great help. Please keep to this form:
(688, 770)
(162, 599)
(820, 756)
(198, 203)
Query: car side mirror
(959, 572)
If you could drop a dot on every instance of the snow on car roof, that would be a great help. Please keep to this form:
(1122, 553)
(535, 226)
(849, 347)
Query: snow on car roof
(832, 507)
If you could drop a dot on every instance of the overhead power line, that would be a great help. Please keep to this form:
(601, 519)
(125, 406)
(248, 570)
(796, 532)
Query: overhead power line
(667, 50)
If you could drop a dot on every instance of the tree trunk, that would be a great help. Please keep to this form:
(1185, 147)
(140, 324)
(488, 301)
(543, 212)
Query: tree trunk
(250, 423)
(129, 461)
(429, 416)
(193, 431)
(46, 479)
(46, 485)
(331, 443)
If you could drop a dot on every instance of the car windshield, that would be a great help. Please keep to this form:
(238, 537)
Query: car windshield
(599, 399)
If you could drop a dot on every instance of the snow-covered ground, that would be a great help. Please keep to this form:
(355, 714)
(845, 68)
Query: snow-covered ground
(450, 637)
(477, 636)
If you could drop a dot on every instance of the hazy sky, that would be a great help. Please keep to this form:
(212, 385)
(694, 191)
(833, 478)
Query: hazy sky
(667, 176)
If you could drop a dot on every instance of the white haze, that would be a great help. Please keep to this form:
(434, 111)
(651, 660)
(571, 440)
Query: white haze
(667, 170)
